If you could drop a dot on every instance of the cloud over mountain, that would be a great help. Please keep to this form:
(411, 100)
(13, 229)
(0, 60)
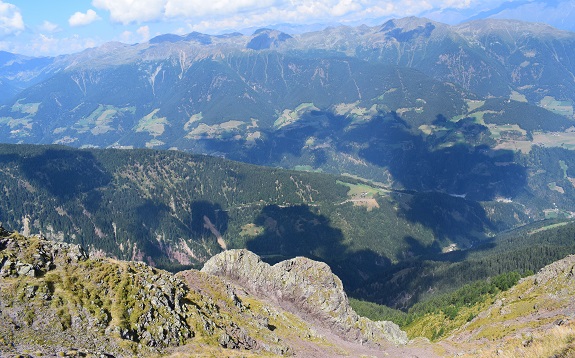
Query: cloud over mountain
(252, 12)
(10, 19)
(81, 19)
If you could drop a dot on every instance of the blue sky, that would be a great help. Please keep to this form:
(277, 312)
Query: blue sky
(43, 27)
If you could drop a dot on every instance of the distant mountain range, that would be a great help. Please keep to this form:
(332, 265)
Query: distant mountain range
(413, 157)
(557, 13)
(386, 103)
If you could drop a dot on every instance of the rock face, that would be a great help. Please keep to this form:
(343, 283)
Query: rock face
(307, 288)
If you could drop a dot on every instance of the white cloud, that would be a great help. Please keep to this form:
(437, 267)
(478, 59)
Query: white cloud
(48, 26)
(214, 14)
(345, 7)
(128, 11)
(200, 8)
(144, 32)
(11, 21)
(180, 31)
(456, 4)
(81, 19)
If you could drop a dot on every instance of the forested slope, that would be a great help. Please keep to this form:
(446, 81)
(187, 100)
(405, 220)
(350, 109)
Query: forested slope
(175, 210)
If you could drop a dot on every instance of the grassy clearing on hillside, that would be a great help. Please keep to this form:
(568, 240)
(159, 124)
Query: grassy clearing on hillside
(548, 227)
(510, 137)
(516, 96)
(28, 108)
(555, 139)
(194, 118)
(363, 195)
(473, 104)
(353, 110)
(289, 116)
(477, 116)
(221, 130)
(498, 131)
(155, 126)
(98, 122)
(361, 190)
(564, 108)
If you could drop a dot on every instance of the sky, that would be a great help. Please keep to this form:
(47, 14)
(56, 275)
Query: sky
(49, 28)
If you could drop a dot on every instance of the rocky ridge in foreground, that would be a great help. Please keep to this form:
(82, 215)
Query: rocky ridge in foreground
(57, 301)
(54, 299)
(306, 288)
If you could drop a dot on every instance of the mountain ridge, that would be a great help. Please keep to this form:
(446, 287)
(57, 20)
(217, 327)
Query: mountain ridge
(189, 78)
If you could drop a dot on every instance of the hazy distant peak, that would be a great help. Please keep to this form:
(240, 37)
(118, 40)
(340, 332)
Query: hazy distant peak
(166, 38)
(412, 22)
(515, 27)
(267, 38)
(193, 36)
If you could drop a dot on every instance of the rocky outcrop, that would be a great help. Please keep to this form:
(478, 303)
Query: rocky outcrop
(34, 256)
(307, 288)
(52, 289)
(562, 270)
(54, 300)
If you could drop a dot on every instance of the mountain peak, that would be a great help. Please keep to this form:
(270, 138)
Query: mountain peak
(410, 23)
(409, 28)
(166, 38)
(267, 38)
(195, 36)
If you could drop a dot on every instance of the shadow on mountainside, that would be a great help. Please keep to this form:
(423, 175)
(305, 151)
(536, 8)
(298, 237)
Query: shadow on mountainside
(64, 173)
(424, 271)
(452, 170)
(301, 231)
(451, 219)
(208, 219)
(443, 177)
(274, 145)
(445, 174)
(296, 231)
(456, 160)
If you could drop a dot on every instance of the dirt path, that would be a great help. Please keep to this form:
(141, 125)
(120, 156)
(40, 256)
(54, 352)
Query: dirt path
(342, 348)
